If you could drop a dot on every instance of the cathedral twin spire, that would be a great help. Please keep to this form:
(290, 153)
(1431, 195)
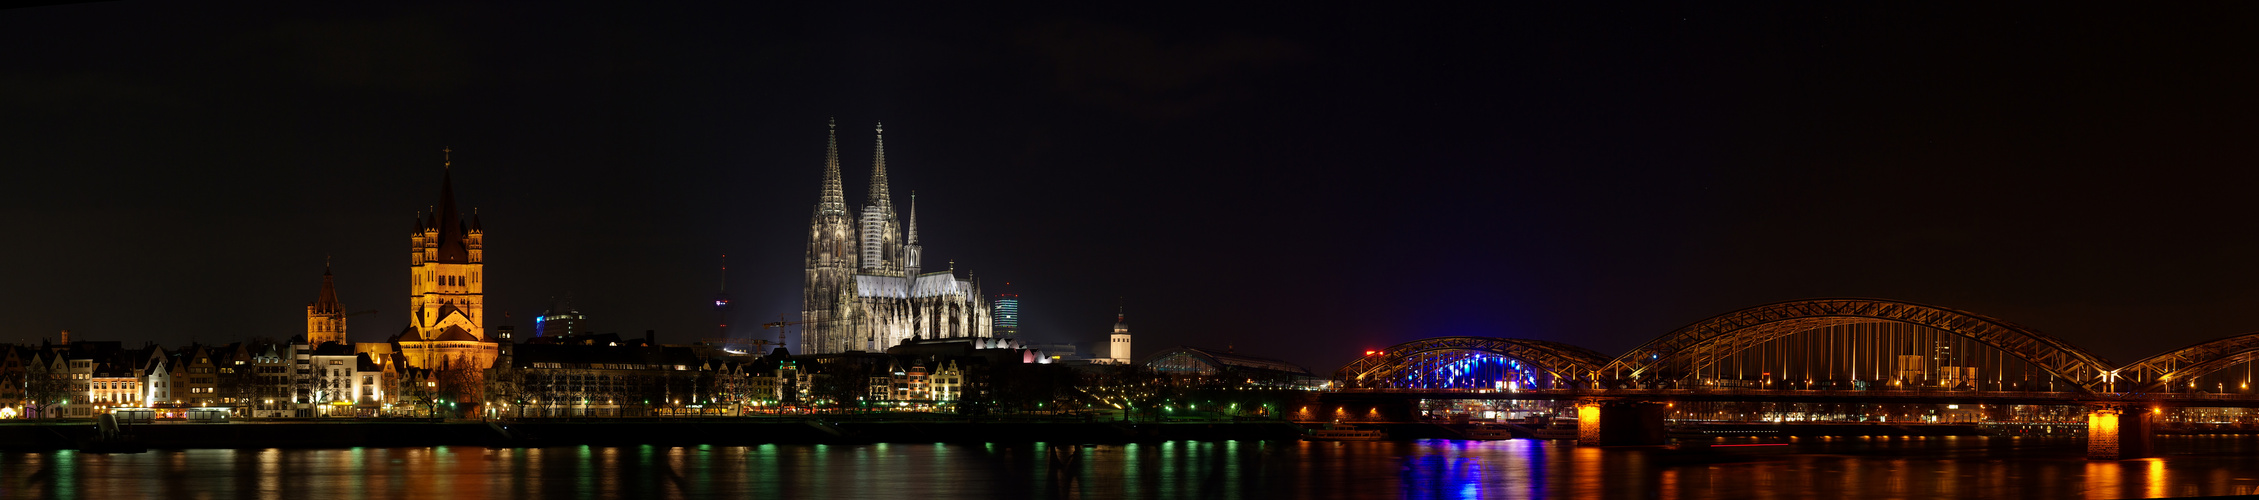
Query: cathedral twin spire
(834, 199)
(880, 196)
(873, 237)
(833, 202)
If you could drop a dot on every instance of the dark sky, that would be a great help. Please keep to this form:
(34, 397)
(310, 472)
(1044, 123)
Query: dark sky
(1302, 182)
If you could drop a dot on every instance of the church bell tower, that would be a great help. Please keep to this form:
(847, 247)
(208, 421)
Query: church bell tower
(447, 287)
(325, 318)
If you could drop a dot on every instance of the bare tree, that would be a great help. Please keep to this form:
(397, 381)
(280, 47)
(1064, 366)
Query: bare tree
(462, 386)
(844, 384)
(43, 389)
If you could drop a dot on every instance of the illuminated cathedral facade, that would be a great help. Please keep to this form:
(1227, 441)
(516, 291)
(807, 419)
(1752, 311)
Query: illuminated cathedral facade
(866, 290)
(447, 289)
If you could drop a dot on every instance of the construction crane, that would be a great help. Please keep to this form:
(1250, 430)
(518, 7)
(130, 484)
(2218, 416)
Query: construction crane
(781, 325)
(756, 345)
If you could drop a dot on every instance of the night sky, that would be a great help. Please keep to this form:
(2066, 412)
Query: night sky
(1301, 182)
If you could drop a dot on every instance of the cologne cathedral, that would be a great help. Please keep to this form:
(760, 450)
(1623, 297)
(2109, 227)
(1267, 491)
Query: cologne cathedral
(865, 289)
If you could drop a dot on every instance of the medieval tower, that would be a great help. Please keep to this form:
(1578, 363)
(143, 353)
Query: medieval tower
(446, 287)
(325, 318)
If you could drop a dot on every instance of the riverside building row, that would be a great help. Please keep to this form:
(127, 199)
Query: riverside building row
(590, 375)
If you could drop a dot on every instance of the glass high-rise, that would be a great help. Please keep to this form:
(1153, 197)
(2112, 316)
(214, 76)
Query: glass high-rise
(1007, 315)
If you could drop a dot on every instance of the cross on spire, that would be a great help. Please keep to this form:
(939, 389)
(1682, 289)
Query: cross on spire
(449, 159)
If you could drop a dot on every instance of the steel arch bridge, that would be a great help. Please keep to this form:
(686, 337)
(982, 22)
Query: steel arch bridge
(1558, 362)
(1683, 352)
(2156, 373)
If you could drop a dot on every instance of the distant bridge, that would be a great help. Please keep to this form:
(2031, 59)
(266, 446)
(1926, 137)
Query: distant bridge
(1825, 351)
(2146, 400)
(1811, 344)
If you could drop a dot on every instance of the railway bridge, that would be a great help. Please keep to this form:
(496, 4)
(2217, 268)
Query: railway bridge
(1834, 359)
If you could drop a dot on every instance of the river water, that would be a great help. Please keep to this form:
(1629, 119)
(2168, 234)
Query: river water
(1831, 468)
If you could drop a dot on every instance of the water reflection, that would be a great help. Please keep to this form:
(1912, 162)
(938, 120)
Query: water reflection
(1827, 468)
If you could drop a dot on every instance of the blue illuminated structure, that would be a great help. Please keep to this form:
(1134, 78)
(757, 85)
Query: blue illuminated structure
(1467, 370)
(1471, 363)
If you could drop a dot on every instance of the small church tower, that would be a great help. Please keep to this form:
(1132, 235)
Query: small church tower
(325, 318)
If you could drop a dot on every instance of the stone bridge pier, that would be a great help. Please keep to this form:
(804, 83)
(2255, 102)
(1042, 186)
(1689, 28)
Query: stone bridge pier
(2119, 432)
(1620, 423)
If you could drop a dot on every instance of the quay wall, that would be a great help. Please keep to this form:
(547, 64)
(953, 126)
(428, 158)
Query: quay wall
(677, 432)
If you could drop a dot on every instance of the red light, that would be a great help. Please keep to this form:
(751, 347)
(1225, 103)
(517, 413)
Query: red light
(1369, 353)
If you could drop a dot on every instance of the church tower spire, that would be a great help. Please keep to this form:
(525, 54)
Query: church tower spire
(879, 196)
(833, 200)
(879, 229)
(831, 261)
(453, 247)
(325, 317)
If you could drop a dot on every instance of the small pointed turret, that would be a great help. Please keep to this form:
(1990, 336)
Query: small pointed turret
(910, 248)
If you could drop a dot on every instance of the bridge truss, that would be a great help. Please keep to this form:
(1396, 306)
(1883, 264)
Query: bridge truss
(1686, 352)
(2161, 372)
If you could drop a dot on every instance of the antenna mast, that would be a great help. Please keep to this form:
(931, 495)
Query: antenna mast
(721, 302)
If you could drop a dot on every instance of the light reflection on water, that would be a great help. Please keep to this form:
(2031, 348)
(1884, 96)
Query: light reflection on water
(1824, 468)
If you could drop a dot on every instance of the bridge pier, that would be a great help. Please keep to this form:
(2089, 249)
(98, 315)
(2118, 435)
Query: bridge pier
(2119, 432)
(1620, 423)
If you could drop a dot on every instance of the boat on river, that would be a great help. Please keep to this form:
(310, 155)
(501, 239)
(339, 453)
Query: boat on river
(1345, 432)
(1490, 432)
(1558, 430)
